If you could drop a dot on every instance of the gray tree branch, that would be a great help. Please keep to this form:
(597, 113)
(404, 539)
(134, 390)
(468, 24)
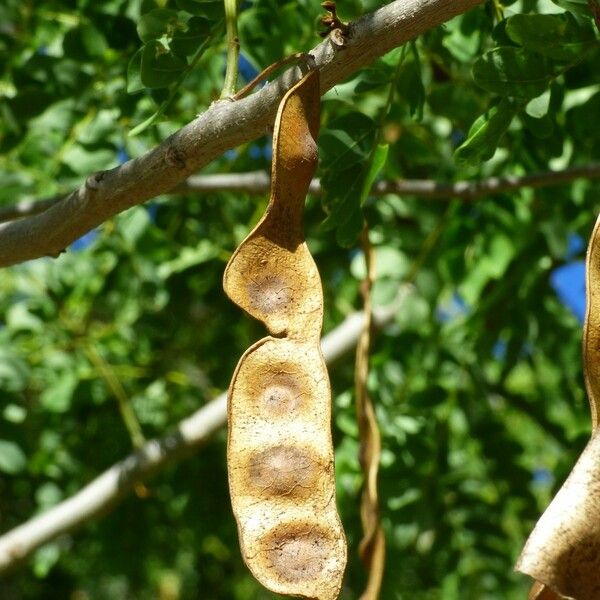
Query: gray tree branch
(224, 125)
(109, 488)
(259, 182)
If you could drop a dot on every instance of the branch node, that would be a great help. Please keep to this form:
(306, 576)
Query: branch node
(337, 38)
(337, 29)
(94, 181)
(174, 157)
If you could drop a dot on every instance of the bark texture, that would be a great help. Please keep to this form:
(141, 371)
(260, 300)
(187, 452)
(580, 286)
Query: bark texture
(223, 126)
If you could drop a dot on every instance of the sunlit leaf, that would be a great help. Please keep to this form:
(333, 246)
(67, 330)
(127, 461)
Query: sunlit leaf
(485, 134)
(156, 23)
(12, 458)
(513, 72)
(557, 36)
(160, 67)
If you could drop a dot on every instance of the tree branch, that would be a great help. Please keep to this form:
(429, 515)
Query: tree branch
(258, 182)
(108, 489)
(224, 125)
(26, 208)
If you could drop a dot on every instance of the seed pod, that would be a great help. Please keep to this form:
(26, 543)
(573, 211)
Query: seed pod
(591, 328)
(563, 551)
(280, 452)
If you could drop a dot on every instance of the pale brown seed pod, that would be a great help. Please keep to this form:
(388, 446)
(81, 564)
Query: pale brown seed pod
(280, 452)
(563, 552)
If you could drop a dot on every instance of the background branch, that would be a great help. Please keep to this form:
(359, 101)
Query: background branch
(26, 208)
(224, 125)
(109, 488)
(259, 182)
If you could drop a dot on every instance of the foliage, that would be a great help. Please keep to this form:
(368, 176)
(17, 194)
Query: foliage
(477, 382)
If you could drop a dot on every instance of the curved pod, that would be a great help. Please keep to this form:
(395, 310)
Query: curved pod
(563, 551)
(280, 451)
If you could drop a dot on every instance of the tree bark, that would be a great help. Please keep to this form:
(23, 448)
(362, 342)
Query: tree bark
(259, 182)
(224, 125)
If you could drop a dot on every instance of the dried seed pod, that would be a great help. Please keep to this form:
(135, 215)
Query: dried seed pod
(591, 328)
(280, 454)
(563, 551)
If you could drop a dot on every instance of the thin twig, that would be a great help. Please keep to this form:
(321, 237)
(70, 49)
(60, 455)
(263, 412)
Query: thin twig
(233, 49)
(113, 382)
(258, 182)
(27, 208)
(266, 72)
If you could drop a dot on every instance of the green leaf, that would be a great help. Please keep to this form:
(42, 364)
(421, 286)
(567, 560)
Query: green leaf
(48, 495)
(391, 263)
(556, 234)
(101, 128)
(376, 164)
(341, 201)
(81, 160)
(337, 147)
(14, 374)
(463, 45)
(541, 128)
(536, 117)
(134, 78)
(346, 192)
(538, 107)
(185, 43)
(213, 10)
(45, 558)
(160, 67)
(147, 5)
(156, 23)
(345, 152)
(58, 395)
(414, 314)
(491, 266)
(575, 6)
(143, 125)
(189, 257)
(457, 101)
(410, 85)
(13, 413)
(485, 134)
(18, 318)
(581, 120)
(347, 141)
(559, 37)
(349, 229)
(84, 42)
(373, 78)
(514, 72)
(12, 458)
(133, 223)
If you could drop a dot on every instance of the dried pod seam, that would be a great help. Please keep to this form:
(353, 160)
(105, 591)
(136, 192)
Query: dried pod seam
(280, 452)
